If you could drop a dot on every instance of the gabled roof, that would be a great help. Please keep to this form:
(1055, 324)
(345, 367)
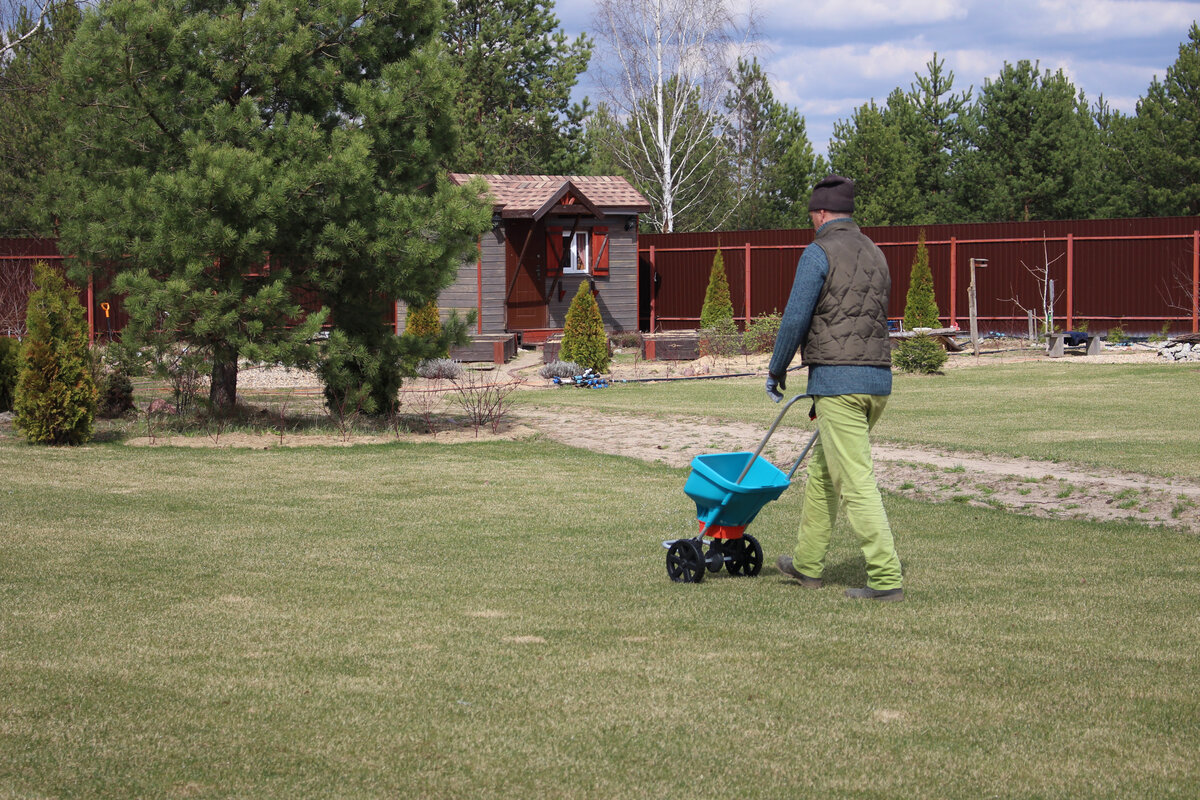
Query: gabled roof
(534, 196)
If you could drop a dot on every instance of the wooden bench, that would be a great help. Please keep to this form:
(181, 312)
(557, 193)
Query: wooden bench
(1057, 341)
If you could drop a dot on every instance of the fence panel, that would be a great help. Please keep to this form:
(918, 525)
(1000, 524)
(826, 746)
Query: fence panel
(1136, 273)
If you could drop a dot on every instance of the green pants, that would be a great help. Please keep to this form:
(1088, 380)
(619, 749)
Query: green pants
(840, 473)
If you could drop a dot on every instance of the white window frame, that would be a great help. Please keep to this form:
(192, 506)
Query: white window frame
(579, 251)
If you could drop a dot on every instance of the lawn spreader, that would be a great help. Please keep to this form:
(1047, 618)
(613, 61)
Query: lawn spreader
(729, 490)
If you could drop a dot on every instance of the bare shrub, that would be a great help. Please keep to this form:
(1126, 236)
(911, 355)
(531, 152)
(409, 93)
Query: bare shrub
(721, 340)
(427, 403)
(484, 402)
(16, 284)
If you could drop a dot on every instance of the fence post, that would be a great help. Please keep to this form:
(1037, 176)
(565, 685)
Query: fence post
(653, 280)
(1070, 281)
(91, 309)
(748, 307)
(1195, 281)
(953, 281)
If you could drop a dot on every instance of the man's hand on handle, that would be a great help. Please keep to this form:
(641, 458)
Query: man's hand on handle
(775, 387)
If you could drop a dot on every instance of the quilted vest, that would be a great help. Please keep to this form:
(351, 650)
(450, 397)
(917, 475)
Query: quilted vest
(849, 324)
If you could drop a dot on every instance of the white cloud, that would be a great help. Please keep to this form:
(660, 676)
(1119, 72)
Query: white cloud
(1114, 18)
(855, 14)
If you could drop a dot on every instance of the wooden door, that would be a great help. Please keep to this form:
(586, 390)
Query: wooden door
(525, 276)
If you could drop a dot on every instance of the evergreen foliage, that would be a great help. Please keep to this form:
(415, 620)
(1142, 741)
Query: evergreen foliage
(870, 150)
(774, 165)
(584, 339)
(56, 396)
(513, 101)
(423, 320)
(116, 395)
(316, 133)
(920, 305)
(31, 133)
(1035, 147)
(10, 368)
(920, 354)
(1161, 144)
(718, 305)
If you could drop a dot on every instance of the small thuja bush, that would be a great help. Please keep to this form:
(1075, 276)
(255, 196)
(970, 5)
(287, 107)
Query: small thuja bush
(920, 305)
(718, 305)
(55, 400)
(920, 354)
(10, 367)
(584, 339)
(423, 320)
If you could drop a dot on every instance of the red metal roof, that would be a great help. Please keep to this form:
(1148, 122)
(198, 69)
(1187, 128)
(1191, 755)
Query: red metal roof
(528, 195)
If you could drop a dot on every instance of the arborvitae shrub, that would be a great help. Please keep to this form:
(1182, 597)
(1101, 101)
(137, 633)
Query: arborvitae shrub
(920, 305)
(584, 339)
(920, 354)
(10, 368)
(718, 305)
(56, 396)
(423, 320)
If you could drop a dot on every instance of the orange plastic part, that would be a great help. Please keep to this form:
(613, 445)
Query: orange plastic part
(724, 531)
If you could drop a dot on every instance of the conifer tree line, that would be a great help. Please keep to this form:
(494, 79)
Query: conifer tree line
(1026, 145)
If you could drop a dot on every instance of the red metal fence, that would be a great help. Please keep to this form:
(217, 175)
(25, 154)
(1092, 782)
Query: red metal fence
(1140, 274)
(105, 316)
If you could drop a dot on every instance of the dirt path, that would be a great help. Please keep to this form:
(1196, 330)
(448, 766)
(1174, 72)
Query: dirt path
(1024, 486)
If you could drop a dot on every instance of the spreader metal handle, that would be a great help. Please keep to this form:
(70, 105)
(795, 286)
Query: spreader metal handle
(767, 438)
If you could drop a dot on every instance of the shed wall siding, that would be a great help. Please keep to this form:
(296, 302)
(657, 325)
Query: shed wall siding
(617, 298)
(618, 293)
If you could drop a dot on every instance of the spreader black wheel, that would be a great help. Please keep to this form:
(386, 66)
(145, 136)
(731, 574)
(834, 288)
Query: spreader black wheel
(715, 558)
(747, 556)
(685, 561)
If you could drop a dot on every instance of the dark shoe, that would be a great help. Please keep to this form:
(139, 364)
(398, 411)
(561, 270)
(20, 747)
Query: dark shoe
(882, 595)
(785, 566)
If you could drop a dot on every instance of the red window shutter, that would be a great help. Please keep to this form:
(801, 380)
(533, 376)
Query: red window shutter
(554, 251)
(600, 248)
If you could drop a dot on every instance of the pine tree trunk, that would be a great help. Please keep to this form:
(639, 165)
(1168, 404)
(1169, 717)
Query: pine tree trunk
(222, 392)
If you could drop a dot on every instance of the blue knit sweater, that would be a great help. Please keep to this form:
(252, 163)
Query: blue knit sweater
(824, 380)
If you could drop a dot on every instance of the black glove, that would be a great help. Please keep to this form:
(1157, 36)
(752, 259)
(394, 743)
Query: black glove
(773, 387)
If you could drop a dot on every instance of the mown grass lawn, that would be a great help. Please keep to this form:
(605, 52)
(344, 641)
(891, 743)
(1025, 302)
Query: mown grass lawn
(494, 620)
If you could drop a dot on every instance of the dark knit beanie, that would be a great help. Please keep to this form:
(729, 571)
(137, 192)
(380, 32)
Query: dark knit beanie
(834, 193)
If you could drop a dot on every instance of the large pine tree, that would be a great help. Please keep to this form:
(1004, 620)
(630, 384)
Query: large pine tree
(210, 138)
(1161, 144)
(514, 99)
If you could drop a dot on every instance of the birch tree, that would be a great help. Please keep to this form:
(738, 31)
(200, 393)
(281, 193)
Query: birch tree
(665, 74)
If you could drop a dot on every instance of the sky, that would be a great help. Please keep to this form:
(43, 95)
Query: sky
(826, 58)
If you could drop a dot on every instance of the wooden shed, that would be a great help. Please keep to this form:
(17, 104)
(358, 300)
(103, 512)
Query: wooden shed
(550, 233)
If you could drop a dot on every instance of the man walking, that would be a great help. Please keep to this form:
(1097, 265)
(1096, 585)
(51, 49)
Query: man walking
(837, 317)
